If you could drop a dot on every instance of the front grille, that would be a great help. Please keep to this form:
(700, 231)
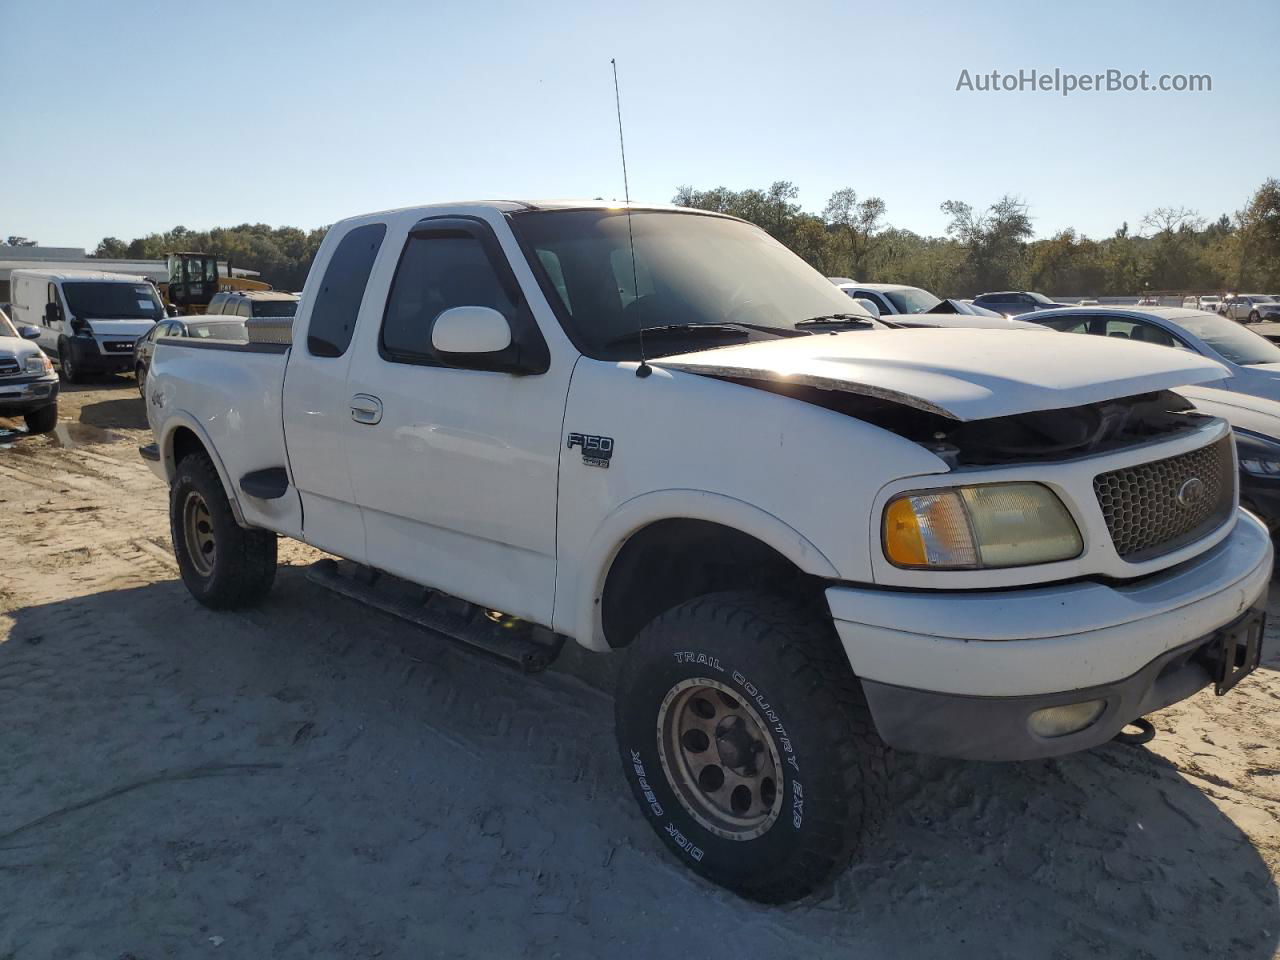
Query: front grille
(1155, 508)
(9, 366)
(117, 346)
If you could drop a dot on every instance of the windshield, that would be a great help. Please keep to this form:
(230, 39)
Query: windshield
(112, 300)
(689, 269)
(1039, 298)
(912, 300)
(1231, 340)
(275, 308)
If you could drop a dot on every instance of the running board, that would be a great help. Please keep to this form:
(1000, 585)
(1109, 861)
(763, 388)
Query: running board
(529, 647)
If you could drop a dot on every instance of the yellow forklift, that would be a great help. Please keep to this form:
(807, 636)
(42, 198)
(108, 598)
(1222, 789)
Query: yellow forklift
(193, 280)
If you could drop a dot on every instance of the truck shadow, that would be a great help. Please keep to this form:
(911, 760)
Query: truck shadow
(309, 778)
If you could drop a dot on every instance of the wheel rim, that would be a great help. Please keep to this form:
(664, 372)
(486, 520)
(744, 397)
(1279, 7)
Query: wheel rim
(719, 759)
(197, 527)
(67, 367)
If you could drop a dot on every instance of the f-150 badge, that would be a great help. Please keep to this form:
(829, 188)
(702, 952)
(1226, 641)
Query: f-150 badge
(596, 451)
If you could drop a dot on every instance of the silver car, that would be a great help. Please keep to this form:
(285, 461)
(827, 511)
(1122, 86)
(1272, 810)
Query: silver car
(1252, 362)
(1250, 308)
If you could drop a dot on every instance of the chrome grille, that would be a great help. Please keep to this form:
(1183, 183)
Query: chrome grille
(9, 366)
(1155, 508)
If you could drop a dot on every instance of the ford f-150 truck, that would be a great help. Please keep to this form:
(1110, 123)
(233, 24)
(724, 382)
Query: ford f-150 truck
(814, 540)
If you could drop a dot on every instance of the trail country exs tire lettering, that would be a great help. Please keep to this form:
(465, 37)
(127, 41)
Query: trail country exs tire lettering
(748, 744)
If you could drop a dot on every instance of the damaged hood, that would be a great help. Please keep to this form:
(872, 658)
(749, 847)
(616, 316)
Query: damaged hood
(961, 374)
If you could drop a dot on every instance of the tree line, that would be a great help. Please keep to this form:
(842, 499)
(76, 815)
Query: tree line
(993, 248)
(282, 255)
(987, 248)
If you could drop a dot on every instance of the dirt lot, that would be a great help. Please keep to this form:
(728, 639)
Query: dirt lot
(313, 780)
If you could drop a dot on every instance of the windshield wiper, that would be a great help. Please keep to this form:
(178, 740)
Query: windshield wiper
(836, 320)
(686, 328)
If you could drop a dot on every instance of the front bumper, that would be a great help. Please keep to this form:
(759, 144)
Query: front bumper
(20, 395)
(958, 673)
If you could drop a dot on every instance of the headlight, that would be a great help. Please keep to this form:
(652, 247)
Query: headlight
(989, 525)
(39, 364)
(1259, 456)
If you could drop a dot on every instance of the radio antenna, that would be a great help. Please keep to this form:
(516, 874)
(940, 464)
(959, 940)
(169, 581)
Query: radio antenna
(644, 369)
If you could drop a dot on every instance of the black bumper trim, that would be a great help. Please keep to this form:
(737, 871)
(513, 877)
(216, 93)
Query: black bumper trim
(995, 728)
(150, 452)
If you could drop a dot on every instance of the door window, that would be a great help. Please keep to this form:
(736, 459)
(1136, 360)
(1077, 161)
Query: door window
(439, 270)
(337, 304)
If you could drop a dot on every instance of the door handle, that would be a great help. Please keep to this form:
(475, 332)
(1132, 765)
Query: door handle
(366, 409)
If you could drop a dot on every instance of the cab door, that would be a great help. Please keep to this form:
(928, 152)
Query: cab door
(316, 411)
(455, 469)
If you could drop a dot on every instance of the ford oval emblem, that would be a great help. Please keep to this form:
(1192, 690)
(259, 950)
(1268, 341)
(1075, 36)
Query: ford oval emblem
(1191, 492)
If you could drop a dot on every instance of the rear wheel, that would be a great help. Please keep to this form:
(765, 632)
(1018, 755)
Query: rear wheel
(1253, 316)
(748, 743)
(222, 563)
(42, 420)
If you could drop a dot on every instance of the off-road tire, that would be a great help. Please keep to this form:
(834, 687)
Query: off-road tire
(240, 568)
(783, 660)
(42, 420)
(67, 369)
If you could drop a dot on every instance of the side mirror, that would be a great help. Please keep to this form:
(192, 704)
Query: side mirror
(28, 332)
(52, 312)
(170, 310)
(478, 338)
(868, 306)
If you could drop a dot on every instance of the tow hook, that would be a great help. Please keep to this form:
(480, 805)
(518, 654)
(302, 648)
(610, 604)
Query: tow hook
(1146, 733)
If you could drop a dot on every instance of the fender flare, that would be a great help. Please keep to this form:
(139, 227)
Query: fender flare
(579, 594)
(181, 418)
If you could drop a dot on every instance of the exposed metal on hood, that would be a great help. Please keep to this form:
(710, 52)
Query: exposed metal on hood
(958, 374)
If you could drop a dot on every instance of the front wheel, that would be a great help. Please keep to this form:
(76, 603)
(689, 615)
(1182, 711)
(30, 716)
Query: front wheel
(42, 420)
(68, 369)
(746, 740)
(222, 563)
(140, 373)
(1253, 317)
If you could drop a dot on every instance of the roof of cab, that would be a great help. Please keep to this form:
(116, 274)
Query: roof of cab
(98, 275)
(525, 206)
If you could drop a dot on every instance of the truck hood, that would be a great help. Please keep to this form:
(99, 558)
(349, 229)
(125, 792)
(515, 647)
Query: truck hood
(961, 374)
(18, 348)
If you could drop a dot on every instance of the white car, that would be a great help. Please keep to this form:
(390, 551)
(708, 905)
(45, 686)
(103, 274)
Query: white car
(810, 539)
(1250, 308)
(1250, 363)
(1209, 303)
(28, 385)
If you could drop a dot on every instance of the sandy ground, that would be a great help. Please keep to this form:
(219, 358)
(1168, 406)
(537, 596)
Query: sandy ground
(313, 780)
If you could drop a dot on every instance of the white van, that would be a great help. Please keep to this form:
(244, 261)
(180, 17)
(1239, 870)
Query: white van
(88, 320)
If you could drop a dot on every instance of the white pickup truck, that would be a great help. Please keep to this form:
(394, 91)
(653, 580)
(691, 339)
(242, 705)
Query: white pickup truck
(812, 540)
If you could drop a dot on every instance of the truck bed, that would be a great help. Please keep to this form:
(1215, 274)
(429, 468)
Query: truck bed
(229, 394)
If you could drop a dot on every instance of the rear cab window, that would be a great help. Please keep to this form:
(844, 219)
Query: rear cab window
(337, 302)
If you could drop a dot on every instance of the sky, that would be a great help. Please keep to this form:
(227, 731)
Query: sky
(122, 119)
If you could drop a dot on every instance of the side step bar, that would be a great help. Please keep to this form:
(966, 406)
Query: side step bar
(529, 647)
